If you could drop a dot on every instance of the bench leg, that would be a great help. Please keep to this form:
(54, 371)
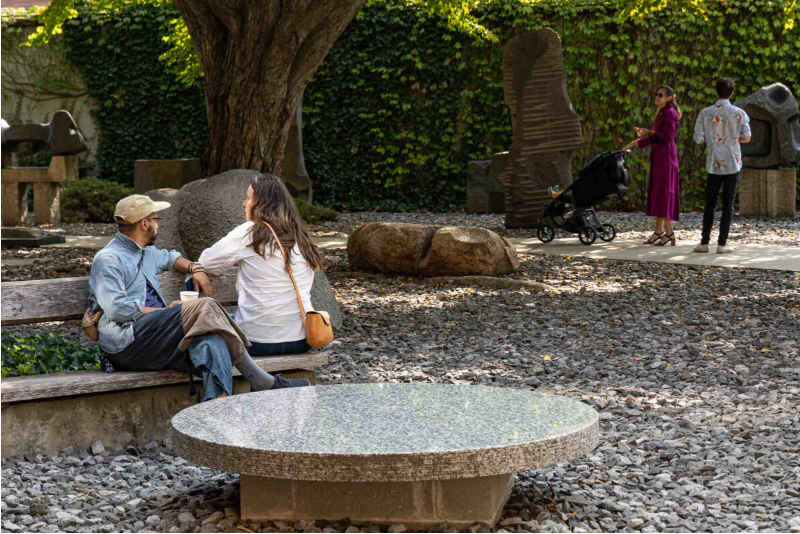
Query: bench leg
(460, 502)
(15, 204)
(46, 203)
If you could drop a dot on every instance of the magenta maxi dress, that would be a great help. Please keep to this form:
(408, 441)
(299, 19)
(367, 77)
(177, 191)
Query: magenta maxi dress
(663, 189)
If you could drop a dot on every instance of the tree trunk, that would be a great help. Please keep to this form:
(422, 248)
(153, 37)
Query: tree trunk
(258, 56)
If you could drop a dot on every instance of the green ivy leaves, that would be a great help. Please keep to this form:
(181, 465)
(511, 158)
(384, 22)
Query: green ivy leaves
(45, 354)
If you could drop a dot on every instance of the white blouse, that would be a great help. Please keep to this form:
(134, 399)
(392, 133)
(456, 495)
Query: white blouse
(268, 309)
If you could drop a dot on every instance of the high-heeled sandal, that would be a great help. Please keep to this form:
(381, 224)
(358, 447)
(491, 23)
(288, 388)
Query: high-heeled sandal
(670, 239)
(650, 240)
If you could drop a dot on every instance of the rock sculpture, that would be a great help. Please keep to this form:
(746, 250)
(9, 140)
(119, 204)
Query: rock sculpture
(294, 173)
(416, 249)
(546, 129)
(60, 136)
(775, 125)
(765, 189)
(484, 193)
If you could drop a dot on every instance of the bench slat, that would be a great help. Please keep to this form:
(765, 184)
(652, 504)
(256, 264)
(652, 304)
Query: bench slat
(62, 299)
(23, 388)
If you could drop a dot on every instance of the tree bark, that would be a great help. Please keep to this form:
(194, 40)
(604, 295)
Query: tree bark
(258, 56)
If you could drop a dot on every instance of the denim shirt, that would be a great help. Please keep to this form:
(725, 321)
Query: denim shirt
(720, 126)
(118, 285)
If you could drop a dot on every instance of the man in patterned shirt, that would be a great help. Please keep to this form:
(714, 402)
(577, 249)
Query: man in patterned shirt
(722, 127)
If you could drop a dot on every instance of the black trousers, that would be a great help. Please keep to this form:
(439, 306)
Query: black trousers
(729, 183)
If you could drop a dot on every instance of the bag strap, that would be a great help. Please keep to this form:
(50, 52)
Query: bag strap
(289, 270)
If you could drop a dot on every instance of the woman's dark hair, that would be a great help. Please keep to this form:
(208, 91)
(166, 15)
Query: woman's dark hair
(272, 203)
(669, 91)
(725, 87)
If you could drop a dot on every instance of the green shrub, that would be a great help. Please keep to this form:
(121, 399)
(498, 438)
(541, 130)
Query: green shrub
(91, 200)
(45, 354)
(312, 214)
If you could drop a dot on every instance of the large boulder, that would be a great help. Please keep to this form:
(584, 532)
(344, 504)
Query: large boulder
(393, 248)
(213, 208)
(323, 298)
(169, 231)
(461, 251)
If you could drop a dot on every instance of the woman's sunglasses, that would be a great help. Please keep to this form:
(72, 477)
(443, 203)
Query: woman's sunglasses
(660, 95)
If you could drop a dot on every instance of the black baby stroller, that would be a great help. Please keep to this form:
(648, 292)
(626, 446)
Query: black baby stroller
(573, 210)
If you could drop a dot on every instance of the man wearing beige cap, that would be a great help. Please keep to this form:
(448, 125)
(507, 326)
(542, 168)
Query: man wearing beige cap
(138, 331)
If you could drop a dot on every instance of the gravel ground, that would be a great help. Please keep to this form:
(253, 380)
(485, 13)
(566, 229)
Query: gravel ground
(47, 263)
(694, 372)
(629, 226)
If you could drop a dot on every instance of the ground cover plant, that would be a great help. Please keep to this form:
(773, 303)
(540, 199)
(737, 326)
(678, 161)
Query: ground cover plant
(41, 354)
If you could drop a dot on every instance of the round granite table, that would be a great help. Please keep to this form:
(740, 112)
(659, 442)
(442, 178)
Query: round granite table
(418, 454)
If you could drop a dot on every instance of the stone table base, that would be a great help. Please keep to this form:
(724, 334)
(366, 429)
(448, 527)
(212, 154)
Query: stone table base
(460, 502)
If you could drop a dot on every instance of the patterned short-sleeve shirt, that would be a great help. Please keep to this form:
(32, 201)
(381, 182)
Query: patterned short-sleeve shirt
(720, 126)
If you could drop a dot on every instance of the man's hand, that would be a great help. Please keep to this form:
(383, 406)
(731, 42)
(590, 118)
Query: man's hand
(201, 281)
(146, 310)
(174, 303)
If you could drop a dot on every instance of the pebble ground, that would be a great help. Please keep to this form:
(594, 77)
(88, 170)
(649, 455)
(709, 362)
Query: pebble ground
(694, 372)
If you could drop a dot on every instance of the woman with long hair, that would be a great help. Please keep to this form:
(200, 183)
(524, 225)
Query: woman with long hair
(663, 190)
(268, 312)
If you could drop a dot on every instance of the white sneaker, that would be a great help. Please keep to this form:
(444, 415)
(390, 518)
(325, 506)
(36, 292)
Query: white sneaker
(722, 249)
(701, 248)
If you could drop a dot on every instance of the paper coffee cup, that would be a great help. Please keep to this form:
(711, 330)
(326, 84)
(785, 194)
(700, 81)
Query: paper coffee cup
(189, 295)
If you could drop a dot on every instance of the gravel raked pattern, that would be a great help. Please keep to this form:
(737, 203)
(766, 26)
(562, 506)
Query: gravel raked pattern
(694, 372)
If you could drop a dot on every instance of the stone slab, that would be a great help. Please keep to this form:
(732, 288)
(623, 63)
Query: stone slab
(27, 237)
(417, 505)
(781, 192)
(767, 192)
(385, 432)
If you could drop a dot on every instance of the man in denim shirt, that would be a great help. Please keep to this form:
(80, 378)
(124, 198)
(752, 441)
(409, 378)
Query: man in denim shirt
(138, 331)
(722, 127)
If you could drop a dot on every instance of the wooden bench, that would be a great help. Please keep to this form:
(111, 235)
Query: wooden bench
(49, 412)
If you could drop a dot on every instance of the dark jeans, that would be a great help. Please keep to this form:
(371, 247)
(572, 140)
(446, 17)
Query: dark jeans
(729, 184)
(155, 347)
(276, 349)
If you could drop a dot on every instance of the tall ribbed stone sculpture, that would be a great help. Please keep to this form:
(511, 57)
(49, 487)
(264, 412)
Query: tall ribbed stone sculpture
(547, 131)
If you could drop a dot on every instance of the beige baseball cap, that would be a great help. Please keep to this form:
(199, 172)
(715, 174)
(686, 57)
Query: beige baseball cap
(136, 207)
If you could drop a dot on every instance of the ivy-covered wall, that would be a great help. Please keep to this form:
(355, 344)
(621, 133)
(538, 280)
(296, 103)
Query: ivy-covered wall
(403, 102)
(142, 111)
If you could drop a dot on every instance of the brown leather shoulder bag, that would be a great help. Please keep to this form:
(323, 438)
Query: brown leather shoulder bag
(319, 332)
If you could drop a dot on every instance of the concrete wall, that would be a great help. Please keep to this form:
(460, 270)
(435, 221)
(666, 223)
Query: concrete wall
(117, 418)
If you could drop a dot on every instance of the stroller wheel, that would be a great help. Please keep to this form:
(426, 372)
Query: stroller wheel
(545, 233)
(587, 235)
(609, 232)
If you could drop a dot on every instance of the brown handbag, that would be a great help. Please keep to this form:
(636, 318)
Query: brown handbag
(319, 332)
(89, 323)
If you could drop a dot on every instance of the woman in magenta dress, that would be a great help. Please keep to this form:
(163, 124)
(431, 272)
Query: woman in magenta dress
(663, 190)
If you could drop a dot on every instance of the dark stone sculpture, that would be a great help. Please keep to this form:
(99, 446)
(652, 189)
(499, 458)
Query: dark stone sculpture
(151, 174)
(775, 127)
(60, 136)
(294, 173)
(484, 193)
(547, 131)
